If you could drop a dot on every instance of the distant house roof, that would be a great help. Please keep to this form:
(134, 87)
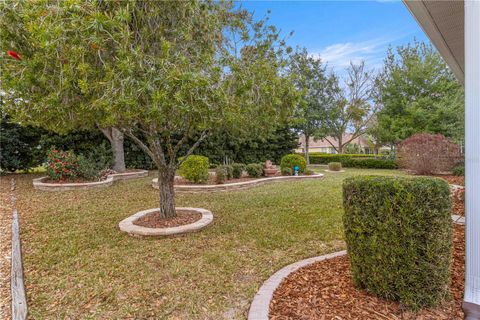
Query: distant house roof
(323, 143)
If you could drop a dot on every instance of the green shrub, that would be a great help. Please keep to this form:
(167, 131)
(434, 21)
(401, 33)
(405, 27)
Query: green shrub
(254, 170)
(292, 160)
(459, 170)
(62, 165)
(195, 169)
(229, 170)
(87, 168)
(373, 164)
(399, 237)
(221, 174)
(335, 166)
(92, 163)
(365, 161)
(287, 171)
(323, 158)
(309, 172)
(238, 169)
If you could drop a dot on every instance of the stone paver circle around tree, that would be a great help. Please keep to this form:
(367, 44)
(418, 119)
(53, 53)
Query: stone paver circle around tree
(127, 225)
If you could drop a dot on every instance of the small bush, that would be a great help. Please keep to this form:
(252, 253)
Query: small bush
(459, 170)
(229, 170)
(287, 171)
(254, 170)
(309, 172)
(221, 174)
(238, 169)
(425, 153)
(87, 168)
(195, 169)
(62, 165)
(399, 237)
(335, 166)
(91, 164)
(292, 160)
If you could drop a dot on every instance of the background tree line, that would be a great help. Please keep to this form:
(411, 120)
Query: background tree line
(413, 92)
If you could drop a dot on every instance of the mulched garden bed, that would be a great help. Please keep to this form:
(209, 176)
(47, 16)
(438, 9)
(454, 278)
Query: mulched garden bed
(182, 218)
(324, 290)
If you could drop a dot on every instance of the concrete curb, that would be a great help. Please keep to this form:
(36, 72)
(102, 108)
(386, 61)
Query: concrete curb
(40, 185)
(126, 225)
(259, 309)
(236, 185)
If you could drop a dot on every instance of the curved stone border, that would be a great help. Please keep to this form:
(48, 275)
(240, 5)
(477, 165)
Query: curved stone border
(235, 185)
(259, 309)
(331, 171)
(127, 225)
(40, 185)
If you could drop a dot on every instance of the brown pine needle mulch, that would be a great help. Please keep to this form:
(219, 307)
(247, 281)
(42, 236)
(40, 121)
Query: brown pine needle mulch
(324, 291)
(459, 180)
(458, 202)
(182, 218)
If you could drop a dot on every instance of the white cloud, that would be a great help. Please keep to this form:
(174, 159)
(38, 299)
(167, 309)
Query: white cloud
(339, 55)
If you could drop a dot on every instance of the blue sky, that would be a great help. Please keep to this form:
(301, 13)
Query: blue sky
(342, 31)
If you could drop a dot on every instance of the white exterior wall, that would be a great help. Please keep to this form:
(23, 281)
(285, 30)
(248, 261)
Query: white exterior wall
(472, 148)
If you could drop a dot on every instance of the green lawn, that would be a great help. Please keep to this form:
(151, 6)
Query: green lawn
(79, 266)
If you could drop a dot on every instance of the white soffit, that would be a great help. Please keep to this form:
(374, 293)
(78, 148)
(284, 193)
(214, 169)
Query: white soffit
(443, 22)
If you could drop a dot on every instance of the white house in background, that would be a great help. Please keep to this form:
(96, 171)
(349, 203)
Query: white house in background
(325, 145)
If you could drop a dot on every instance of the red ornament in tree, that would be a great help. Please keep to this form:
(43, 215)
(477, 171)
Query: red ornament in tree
(14, 55)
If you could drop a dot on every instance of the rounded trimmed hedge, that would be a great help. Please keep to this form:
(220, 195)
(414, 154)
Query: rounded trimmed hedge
(399, 237)
(195, 169)
(335, 166)
(364, 161)
(291, 160)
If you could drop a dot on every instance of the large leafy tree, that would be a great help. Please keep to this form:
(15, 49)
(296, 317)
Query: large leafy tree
(317, 91)
(173, 71)
(353, 109)
(418, 93)
(53, 80)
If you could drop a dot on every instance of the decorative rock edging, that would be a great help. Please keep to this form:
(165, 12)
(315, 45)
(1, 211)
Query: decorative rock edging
(127, 225)
(331, 171)
(260, 306)
(235, 185)
(40, 185)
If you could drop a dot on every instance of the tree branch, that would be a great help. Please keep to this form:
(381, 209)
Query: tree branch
(203, 135)
(144, 147)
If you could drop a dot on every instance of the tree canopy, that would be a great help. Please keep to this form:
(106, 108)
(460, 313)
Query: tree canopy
(174, 71)
(417, 92)
(317, 95)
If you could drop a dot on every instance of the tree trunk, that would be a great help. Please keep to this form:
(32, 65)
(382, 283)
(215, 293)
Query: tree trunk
(166, 178)
(116, 138)
(307, 146)
(340, 145)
